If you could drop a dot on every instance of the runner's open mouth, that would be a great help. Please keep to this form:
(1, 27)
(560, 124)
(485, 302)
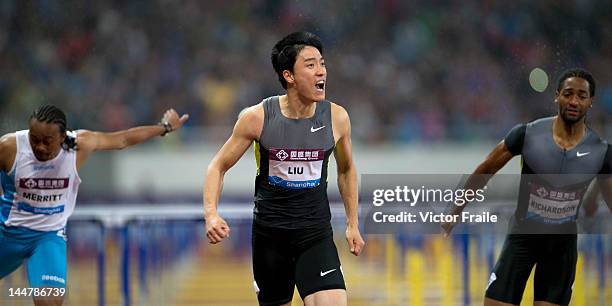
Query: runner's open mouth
(320, 85)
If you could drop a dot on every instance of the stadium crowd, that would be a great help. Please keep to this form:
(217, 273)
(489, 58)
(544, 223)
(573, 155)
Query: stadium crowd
(417, 71)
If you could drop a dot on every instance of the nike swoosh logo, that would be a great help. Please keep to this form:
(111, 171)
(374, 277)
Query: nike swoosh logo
(327, 272)
(312, 129)
(582, 154)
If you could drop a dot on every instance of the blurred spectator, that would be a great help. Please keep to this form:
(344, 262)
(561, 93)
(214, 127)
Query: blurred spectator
(408, 71)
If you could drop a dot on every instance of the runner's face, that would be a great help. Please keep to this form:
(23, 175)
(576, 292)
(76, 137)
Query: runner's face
(45, 139)
(309, 74)
(574, 99)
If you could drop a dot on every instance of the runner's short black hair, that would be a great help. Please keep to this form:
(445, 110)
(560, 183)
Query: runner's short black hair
(286, 50)
(577, 73)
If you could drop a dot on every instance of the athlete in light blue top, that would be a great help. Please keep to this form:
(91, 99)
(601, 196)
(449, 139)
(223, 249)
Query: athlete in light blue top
(39, 176)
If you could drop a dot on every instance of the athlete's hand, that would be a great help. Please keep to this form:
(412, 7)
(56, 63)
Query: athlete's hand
(172, 117)
(216, 229)
(447, 227)
(587, 225)
(355, 242)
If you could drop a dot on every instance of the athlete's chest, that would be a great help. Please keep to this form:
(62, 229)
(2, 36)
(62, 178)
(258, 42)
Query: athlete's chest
(31, 174)
(313, 133)
(544, 156)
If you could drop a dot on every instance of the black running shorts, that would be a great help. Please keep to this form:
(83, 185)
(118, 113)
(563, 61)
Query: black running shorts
(283, 259)
(554, 257)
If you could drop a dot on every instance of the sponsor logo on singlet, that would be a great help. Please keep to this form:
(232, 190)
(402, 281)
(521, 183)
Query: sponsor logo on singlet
(295, 168)
(23, 206)
(40, 201)
(42, 167)
(43, 183)
(552, 206)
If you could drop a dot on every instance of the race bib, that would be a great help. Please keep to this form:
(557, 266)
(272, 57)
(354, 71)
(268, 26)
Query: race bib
(551, 206)
(295, 168)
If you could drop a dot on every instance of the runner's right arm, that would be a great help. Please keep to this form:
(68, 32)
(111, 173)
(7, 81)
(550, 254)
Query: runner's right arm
(8, 150)
(247, 129)
(500, 155)
(497, 159)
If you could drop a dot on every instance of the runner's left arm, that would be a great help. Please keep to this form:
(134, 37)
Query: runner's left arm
(605, 185)
(590, 202)
(605, 179)
(347, 180)
(91, 141)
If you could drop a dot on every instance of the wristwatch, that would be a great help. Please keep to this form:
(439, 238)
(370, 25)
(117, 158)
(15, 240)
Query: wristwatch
(167, 127)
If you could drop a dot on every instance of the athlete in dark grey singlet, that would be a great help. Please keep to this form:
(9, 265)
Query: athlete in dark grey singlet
(291, 225)
(554, 179)
(292, 157)
(561, 156)
(294, 135)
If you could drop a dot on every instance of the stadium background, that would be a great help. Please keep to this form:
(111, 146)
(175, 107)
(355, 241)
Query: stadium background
(430, 87)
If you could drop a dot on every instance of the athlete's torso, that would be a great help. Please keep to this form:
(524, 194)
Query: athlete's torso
(38, 195)
(554, 180)
(292, 157)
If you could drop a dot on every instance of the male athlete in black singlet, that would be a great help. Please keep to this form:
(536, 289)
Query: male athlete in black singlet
(561, 155)
(294, 135)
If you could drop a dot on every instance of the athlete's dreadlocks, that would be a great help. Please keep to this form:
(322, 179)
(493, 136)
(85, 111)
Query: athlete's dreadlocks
(52, 114)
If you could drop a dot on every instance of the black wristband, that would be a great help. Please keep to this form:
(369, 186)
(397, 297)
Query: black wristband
(167, 127)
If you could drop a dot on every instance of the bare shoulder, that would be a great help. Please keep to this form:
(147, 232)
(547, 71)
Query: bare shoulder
(339, 113)
(9, 139)
(8, 150)
(85, 139)
(84, 135)
(254, 112)
(250, 121)
(340, 121)
(8, 142)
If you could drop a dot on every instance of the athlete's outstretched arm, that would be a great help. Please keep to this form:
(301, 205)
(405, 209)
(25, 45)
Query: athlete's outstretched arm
(347, 178)
(497, 159)
(247, 128)
(91, 141)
